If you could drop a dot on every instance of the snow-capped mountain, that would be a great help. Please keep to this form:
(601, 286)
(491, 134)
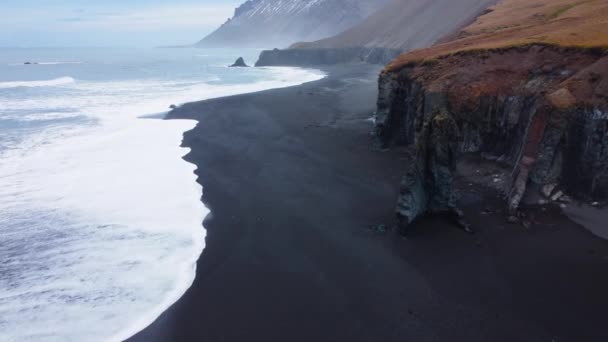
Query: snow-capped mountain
(280, 23)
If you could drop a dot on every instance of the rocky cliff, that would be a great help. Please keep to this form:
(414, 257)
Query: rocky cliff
(542, 110)
(280, 23)
(521, 95)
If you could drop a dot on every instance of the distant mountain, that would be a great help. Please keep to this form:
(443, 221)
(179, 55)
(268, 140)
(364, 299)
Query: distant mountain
(400, 26)
(280, 23)
(407, 24)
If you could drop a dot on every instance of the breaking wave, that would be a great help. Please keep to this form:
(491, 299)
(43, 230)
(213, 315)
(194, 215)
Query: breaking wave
(44, 83)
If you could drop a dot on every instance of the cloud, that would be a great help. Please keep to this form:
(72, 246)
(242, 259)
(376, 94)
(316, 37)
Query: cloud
(114, 23)
(89, 16)
(126, 18)
(70, 20)
(154, 18)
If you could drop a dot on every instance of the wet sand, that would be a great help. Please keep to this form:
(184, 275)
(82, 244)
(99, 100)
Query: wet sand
(294, 185)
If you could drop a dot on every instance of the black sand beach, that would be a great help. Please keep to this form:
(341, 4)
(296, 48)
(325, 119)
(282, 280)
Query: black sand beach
(294, 183)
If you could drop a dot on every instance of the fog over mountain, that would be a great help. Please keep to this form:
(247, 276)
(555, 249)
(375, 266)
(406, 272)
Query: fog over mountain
(407, 24)
(399, 26)
(280, 23)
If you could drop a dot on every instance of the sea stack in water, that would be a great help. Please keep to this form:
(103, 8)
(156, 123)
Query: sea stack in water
(240, 63)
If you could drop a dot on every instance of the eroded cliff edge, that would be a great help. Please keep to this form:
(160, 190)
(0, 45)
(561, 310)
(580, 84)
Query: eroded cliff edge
(540, 109)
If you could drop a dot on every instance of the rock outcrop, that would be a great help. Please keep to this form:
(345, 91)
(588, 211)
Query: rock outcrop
(239, 63)
(428, 185)
(527, 85)
(540, 109)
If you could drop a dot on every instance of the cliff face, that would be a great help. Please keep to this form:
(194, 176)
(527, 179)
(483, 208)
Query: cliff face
(542, 110)
(527, 85)
(280, 23)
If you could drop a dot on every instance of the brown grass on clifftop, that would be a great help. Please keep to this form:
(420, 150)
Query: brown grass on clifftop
(511, 23)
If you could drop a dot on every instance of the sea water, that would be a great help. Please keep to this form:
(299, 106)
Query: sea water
(100, 217)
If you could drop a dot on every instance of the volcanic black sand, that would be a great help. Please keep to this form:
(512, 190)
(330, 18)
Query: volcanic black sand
(294, 185)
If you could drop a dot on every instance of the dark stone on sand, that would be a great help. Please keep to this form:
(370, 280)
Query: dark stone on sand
(380, 229)
(239, 63)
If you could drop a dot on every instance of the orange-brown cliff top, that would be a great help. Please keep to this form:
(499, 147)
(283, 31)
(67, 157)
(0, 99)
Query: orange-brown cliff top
(512, 23)
(565, 76)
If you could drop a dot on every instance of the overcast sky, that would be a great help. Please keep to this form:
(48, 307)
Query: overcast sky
(143, 23)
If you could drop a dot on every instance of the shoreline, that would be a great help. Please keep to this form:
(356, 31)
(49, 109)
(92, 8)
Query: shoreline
(122, 236)
(293, 185)
(187, 277)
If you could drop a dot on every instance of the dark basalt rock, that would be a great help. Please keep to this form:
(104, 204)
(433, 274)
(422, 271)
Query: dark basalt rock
(239, 63)
(428, 185)
(312, 57)
(520, 127)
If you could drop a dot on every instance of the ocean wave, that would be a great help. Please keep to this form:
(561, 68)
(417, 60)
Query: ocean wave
(44, 63)
(46, 83)
(86, 245)
(57, 63)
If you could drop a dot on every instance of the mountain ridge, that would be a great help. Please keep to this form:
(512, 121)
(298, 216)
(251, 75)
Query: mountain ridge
(404, 25)
(280, 23)
(401, 26)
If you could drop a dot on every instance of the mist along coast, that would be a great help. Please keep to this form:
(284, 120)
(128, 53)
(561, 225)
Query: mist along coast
(301, 244)
(443, 178)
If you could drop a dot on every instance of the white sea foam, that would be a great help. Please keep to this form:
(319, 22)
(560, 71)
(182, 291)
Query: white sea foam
(57, 63)
(109, 214)
(44, 63)
(44, 83)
